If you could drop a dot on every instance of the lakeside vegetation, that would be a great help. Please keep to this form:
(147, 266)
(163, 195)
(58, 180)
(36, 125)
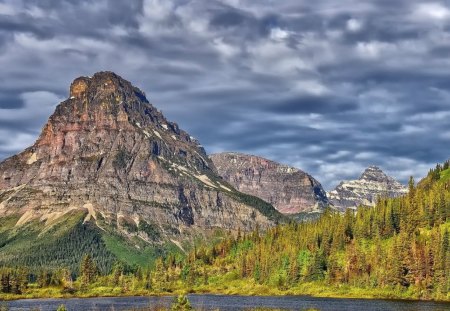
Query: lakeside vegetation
(398, 249)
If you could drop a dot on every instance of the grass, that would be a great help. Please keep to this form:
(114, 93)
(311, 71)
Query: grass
(228, 285)
(144, 255)
(128, 253)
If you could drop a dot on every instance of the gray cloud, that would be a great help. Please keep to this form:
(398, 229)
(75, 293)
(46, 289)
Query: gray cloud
(330, 87)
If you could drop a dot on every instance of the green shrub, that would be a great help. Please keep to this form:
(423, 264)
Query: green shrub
(181, 303)
(61, 308)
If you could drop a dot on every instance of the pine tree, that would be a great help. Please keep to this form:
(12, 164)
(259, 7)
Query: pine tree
(66, 280)
(117, 273)
(160, 275)
(43, 279)
(316, 270)
(148, 280)
(88, 271)
(5, 281)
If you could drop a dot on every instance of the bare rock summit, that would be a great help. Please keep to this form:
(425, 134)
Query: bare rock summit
(372, 184)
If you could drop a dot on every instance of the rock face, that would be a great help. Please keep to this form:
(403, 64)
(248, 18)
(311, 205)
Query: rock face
(288, 189)
(108, 151)
(372, 184)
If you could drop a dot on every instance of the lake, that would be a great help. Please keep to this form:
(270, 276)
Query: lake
(230, 303)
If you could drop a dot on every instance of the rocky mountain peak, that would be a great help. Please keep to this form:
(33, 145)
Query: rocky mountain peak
(373, 168)
(108, 152)
(374, 173)
(288, 189)
(107, 103)
(103, 84)
(372, 184)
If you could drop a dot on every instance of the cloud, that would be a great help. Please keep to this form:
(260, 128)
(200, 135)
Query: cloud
(354, 25)
(279, 34)
(431, 11)
(330, 87)
(19, 126)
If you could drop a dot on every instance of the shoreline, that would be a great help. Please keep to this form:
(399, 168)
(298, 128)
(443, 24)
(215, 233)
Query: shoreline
(219, 293)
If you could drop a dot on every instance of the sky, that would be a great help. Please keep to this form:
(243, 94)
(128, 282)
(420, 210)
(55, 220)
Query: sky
(327, 86)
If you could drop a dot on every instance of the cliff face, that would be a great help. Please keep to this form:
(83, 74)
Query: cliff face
(288, 189)
(372, 184)
(107, 151)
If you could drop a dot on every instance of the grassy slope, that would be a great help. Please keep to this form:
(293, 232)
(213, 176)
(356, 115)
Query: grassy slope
(63, 243)
(136, 252)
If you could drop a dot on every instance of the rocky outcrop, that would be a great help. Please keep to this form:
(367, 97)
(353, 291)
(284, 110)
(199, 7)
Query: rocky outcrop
(108, 151)
(372, 184)
(288, 189)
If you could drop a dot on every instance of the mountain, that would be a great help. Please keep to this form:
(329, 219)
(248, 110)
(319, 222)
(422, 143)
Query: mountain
(372, 184)
(109, 165)
(288, 189)
(399, 249)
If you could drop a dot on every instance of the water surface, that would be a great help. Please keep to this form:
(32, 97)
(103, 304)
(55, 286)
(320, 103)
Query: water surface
(231, 303)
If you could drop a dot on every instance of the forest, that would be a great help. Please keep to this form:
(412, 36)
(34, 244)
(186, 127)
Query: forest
(398, 249)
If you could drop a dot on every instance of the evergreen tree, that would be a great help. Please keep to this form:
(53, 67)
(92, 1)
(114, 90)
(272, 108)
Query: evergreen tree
(88, 271)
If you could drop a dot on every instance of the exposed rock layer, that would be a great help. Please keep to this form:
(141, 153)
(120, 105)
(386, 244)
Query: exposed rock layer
(288, 189)
(110, 152)
(372, 184)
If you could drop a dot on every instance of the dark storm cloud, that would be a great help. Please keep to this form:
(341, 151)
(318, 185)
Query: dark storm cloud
(230, 18)
(27, 24)
(326, 86)
(314, 104)
(10, 100)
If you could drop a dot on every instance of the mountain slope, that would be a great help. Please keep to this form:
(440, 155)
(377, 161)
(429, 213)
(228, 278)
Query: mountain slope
(288, 189)
(397, 249)
(108, 153)
(373, 183)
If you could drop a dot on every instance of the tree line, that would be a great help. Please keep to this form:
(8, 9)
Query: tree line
(400, 244)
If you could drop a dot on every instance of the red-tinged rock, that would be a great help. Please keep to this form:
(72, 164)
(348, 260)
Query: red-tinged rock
(288, 189)
(107, 150)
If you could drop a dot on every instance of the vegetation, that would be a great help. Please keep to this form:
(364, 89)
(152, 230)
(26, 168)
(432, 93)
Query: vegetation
(122, 158)
(398, 249)
(262, 206)
(64, 242)
(181, 303)
(60, 245)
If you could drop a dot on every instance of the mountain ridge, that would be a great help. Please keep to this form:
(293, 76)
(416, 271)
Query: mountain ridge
(289, 189)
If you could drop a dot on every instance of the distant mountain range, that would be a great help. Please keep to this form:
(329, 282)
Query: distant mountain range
(292, 191)
(371, 185)
(111, 176)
